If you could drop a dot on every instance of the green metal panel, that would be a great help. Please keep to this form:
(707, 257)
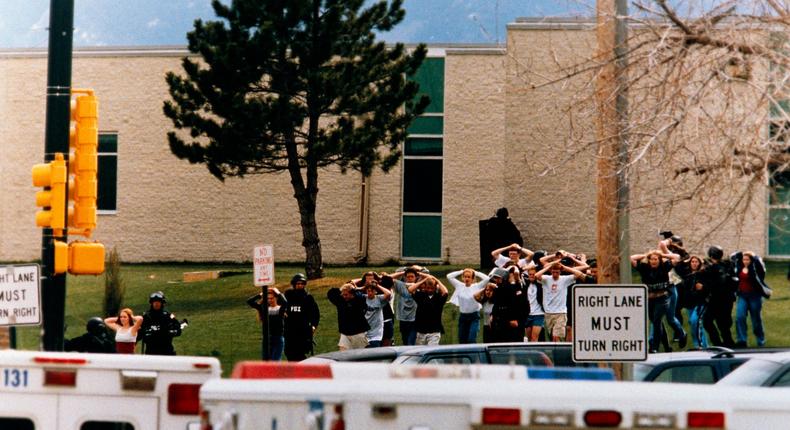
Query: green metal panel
(108, 143)
(779, 231)
(422, 236)
(423, 146)
(427, 125)
(430, 76)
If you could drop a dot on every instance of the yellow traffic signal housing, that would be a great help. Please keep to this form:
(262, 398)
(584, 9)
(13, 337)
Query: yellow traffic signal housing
(61, 264)
(52, 176)
(83, 162)
(86, 258)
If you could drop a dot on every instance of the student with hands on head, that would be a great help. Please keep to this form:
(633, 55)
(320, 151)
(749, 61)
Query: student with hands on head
(555, 296)
(125, 326)
(464, 298)
(430, 295)
(516, 254)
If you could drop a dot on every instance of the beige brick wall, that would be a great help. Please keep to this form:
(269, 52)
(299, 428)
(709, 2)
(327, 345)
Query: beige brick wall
(551, 195)
(167, 209)
(474, 148)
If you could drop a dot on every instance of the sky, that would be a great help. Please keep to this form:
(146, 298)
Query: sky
(23, 23)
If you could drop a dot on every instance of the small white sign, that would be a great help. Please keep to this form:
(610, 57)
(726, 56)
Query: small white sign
(263, 263)
(610, 322)
(20, 295)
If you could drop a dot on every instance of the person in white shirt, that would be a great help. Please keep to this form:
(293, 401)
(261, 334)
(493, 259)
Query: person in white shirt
(555, 294)
(464, 298)
(376, 298)
(535, 320)
(520, 256)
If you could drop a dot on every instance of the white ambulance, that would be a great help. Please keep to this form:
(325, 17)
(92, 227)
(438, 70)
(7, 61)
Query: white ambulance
(57, 390)
(425, 399)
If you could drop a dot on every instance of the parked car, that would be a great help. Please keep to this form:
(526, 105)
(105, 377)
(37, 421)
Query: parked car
(692, 367)
(558, 353)
(696, 367)
(384, 354)
(767, 370)
(474, 354)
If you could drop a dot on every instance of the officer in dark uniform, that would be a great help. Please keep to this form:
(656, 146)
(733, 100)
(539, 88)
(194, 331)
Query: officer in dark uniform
(95, 340)
(300, 318)
(159, 327)
(717, 279)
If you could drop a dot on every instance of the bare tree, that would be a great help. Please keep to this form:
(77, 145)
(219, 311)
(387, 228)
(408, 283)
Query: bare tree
(707, 107)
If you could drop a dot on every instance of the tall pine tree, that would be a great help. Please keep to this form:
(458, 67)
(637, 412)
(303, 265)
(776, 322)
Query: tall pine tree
(295, 85)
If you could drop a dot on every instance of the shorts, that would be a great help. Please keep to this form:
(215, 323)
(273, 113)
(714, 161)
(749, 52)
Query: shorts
(555, 324)
(535, 321)
(355, 341)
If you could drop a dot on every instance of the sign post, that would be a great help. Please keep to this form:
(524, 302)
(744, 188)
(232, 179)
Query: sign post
(609, 323)
(20, 295)
(263, 275)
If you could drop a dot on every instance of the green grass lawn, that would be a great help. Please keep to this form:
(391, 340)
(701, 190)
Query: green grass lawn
(222, 325)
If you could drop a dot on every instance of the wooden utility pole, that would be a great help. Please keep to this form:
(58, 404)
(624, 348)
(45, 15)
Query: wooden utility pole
(611, 132)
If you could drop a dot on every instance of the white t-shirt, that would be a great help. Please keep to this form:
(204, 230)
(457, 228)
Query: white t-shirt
(463, 296)
(532, 296)
(375, 317)
(555, 293)
(502, 260)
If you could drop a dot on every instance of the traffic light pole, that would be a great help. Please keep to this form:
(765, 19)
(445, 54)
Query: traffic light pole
(53, 287)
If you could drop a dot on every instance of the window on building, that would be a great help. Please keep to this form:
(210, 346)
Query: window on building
(423, 170)
(106, 425)
(107, 173)
(16, 424)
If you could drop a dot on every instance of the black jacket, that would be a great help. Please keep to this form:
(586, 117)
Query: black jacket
(756, 270)
(90, 342)
(300, 315)
(718, 278)
(350, 313)
(157, 332)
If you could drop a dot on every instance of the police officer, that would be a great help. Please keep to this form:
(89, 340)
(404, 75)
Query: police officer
(95, 340)
(717, 279)
(159, 327)
(300, 318)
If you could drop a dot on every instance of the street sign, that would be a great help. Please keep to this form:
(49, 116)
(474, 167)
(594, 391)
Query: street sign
(263, 263)
(609, 322)
(20, 295)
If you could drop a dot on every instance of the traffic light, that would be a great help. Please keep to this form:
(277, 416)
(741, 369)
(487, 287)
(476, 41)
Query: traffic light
(52, 176)
(83, 162)
(61, 260)
(78, 258)
(86, 258)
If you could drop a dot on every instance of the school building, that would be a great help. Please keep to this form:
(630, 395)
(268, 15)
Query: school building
(486, 141)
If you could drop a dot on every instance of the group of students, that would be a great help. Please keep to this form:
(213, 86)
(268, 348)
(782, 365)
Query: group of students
(524, 298)
(707, 288)
(526, 291)
(156, 329)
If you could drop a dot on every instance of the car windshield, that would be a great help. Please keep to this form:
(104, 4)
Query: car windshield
(641, 370)
(752, 373)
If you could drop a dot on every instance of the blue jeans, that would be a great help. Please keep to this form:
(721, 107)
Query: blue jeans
(698, 339)
(468, 326)
(276, 344)
(753, 305)
(657, 310)
(408, 332)
(677, 327)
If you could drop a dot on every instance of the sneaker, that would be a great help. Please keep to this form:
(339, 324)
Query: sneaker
(683, 341)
